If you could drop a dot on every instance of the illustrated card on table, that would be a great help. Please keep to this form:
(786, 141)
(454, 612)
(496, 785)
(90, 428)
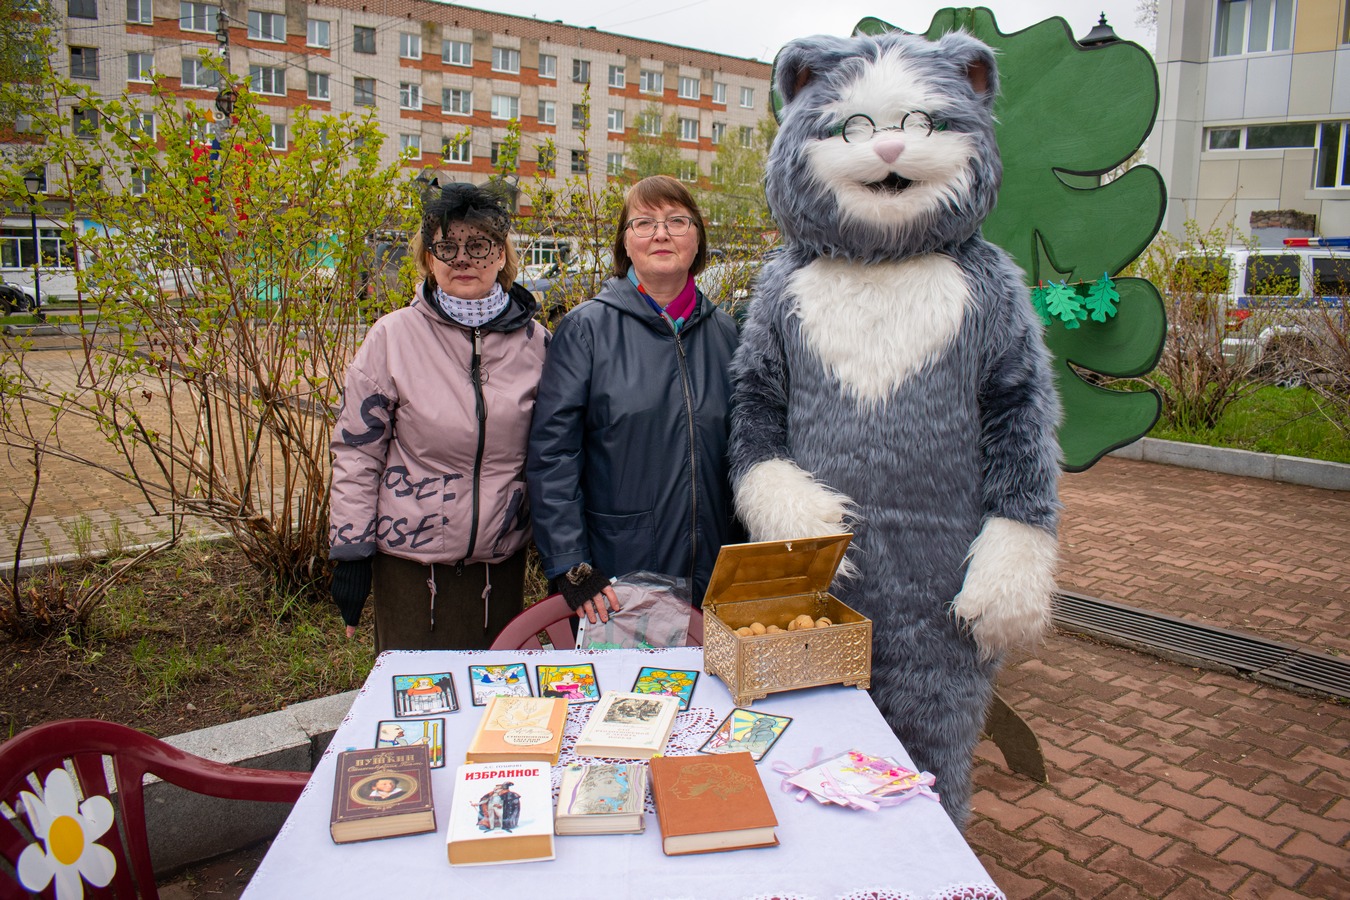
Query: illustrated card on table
(575, 683)
(857, 775)
(506, 680)
(674, 682)
(407, 732)
(424, 695)
(745, 729)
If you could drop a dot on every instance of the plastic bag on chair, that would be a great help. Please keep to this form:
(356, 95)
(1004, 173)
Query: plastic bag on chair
(654, 611)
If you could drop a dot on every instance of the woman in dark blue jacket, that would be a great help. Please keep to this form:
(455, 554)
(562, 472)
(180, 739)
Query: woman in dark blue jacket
(627, 464)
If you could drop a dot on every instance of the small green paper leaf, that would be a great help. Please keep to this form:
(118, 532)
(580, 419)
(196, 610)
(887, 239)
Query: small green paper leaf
(1063, 303)
(1038, 304)
(1102, 298)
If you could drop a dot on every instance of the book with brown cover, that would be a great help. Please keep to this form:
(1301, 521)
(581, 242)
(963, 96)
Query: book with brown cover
(707, 803)
(518, 729)
(501, 813)
(382, 793)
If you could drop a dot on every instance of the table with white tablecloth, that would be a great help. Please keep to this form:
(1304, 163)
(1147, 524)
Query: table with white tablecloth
(911, 850)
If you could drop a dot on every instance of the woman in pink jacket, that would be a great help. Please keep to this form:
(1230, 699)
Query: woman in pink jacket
(429, 496)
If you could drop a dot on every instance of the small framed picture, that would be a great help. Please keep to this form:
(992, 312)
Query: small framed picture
(507, 680)
(576, 683)
(675, 682)
(424, 695)
(746, 729)
(406, 732)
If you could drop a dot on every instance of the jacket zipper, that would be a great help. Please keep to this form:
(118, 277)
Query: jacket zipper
(693, 457)
(476, 376)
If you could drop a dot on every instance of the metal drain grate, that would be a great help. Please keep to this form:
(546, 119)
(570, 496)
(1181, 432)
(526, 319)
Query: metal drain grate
(1284, 664)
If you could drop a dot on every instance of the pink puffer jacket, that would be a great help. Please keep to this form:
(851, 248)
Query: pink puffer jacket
(428, 462)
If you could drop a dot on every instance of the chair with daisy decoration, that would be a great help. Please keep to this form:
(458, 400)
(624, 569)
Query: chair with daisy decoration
(66, 832)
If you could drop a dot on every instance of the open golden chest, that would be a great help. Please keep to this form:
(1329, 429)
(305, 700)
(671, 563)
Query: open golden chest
(774, 583)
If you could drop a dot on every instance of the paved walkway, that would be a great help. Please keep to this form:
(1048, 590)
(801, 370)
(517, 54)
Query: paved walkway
(1164, 781)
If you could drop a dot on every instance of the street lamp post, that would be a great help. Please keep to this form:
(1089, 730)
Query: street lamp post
(34, 182)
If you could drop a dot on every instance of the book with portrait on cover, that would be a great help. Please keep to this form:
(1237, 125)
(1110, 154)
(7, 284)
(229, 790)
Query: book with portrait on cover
(518, 729)
(605, 798)
(501, 813)
(707, 803)
(628, 725)
(382, 793)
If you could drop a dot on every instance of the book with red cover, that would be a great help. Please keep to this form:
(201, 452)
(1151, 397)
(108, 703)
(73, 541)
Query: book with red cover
(382, 793)
(707, 803)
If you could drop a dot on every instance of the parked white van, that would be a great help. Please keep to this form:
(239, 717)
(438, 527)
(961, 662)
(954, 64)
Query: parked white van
(1276, 303)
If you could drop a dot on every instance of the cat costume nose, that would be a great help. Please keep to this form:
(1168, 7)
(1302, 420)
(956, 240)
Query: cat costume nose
(889, 149)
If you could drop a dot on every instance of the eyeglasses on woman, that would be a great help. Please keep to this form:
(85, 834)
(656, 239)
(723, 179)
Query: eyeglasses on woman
(475, 248)
(646, 227)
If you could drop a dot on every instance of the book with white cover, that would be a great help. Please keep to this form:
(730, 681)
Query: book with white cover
(627, 725)
(501, 812)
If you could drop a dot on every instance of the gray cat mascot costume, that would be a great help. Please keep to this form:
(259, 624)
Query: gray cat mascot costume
(892, 379)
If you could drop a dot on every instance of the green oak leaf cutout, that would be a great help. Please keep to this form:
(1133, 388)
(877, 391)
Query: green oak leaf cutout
(1066, 115)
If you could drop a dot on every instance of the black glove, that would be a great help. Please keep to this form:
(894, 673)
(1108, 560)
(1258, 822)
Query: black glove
(579, 584)
(351, 585)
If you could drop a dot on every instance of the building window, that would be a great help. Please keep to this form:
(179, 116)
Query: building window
(747, 98)
(84, 62)
(84, 122)
(548, 112)
(409, 95)
(457, 149)
(267, 80)
(649, 124)
(140, 67)
(719, 131)
(548, 66)
(1253, 26)
(266, 26)
(747, 135)
(548, 157)
(617, 79)
(719, 93)
(140, 178)
(197, 75)
(316, 85)
(82, 9)
(317, 33)
(1333, 156)
(614, 121)
(456, 53)
(688, 170)
(1274, 137)
(651, 81)
(409, 46)
(689, 129)
(1223, 138)
(581, 71)
(613, 163)
(456, 102)
(688, 88)
(495, 157)
(580, 163)
(141, 12)
(363, 39)
(364, 91)
(197, 16)
(504, 59)
(581, 116)
(278, 136)
(142, 126)
(410, 145)
(505, 106)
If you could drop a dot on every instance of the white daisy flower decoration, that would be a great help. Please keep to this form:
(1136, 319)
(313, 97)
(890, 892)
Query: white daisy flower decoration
(67, 831)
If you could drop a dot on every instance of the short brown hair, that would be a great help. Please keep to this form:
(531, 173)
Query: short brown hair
(654, 191)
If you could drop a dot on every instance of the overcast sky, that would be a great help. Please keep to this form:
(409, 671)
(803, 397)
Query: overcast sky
(758, 28)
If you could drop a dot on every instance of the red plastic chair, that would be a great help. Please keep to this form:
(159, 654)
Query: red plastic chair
(73, 751)
(551, 616)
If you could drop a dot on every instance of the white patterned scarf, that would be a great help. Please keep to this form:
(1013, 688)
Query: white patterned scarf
(472, 313)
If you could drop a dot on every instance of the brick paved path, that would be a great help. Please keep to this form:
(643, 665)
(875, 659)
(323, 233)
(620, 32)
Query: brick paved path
(1164, 781)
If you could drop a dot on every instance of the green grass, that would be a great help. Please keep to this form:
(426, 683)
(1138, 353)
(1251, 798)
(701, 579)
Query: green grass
(1288, 421)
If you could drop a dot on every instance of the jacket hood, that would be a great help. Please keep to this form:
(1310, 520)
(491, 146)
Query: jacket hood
(620, 294)
(521, 307)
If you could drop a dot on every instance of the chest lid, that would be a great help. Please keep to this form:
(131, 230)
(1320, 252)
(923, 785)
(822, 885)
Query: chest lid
(768, 569)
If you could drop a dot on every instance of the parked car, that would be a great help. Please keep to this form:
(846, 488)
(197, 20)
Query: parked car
(17, 298)
(729, 283)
